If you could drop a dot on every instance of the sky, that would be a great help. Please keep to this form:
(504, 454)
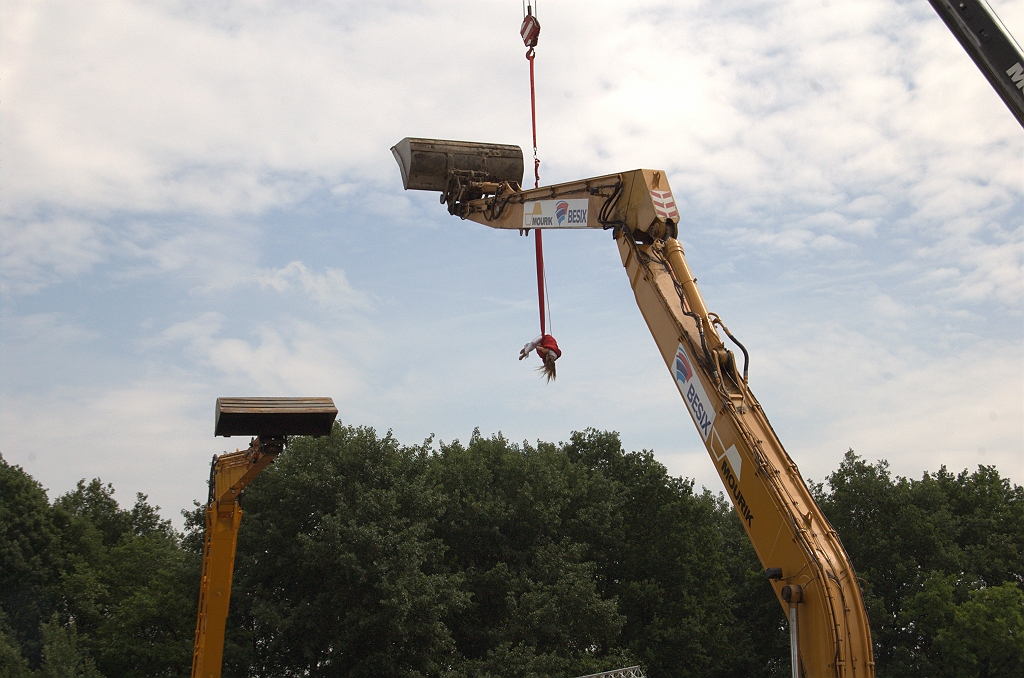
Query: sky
(198, 200)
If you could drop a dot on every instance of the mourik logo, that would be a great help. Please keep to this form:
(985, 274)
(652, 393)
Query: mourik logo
(534, 217)
(1016, 73)
(731, 465)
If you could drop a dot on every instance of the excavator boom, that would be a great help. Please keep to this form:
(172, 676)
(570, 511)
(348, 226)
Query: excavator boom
(808, 567)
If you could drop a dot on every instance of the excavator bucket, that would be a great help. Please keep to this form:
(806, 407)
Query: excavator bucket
(275, 416)
(427, 163)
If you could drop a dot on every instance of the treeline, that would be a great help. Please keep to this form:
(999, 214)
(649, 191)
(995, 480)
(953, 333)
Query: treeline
(88, 588)
(359, 556)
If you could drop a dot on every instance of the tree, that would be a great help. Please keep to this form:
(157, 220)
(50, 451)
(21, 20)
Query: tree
(29, 559)
(358, 555)
(128, 585)
(12, 663)
(680, 569)
(938, 557)
(61, 655)
(522, 525)
(337, 571)
(986, 636)
(87, 587)
(147, 629)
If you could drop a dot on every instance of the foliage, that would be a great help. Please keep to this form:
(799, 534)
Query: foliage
(359, 556)
(941, 559)
(12, 663)
(88, 588)
(61, 655)
(30, 558)
(337, 572)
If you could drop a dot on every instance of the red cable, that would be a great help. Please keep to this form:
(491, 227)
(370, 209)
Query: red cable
(547, 347)
(540, 277)
(538, 241)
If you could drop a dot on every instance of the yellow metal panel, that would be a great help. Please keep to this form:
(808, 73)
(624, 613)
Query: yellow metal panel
(507, 212)
(215, 595)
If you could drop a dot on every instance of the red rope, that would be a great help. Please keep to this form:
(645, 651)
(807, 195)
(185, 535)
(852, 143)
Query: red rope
(538, 240)
(540, 278)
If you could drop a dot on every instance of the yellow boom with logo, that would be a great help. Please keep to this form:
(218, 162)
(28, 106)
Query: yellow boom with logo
(804, 560)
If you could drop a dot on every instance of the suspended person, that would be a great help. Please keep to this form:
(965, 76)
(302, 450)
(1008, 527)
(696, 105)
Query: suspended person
(548, 351)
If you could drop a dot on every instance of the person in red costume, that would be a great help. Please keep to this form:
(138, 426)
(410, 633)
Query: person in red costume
(547, 349)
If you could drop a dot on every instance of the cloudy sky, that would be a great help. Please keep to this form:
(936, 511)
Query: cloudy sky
(199, 201)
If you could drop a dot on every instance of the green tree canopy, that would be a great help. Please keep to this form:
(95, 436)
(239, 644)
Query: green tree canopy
(941, 559)
(30, 558)
(88, 588)
(359, 556)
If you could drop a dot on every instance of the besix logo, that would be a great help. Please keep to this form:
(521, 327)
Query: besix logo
(561, 209)
(683, 370)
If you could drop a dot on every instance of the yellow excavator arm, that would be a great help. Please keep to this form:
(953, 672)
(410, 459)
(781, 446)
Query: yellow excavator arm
(229, 475)
(807, 565)
(270, 420)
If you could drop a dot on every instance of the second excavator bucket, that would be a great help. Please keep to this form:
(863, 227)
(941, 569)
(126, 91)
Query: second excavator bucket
(275, 416)
(427, 164)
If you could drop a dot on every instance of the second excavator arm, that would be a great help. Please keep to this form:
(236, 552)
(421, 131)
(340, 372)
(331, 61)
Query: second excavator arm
(270, 420)
(809, 569)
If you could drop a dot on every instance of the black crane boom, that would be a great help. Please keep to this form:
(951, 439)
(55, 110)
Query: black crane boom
(991, 46)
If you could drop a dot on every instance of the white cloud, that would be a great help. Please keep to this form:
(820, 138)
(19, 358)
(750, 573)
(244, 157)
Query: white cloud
(152, 435)
(984, 270)
(329, 288)
(137, 106)
(287, 357)
(891, 400)
(35, 254)
(215, 181)
(238, 109)
(55, 328)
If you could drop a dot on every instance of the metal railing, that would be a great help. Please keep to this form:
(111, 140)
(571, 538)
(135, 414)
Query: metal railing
(631, 672)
